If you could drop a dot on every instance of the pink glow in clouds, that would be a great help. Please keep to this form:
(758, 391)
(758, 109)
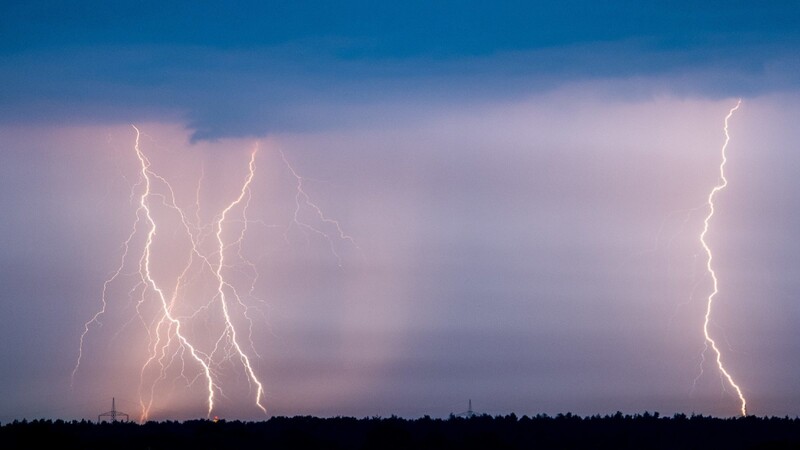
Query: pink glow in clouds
(522, 254)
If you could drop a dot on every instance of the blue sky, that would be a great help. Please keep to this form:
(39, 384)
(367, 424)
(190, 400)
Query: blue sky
(524, 181)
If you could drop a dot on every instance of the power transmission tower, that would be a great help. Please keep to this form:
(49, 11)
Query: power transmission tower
(113, 415)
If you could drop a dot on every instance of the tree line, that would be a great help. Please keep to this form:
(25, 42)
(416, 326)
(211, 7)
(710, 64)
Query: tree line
(567, 431)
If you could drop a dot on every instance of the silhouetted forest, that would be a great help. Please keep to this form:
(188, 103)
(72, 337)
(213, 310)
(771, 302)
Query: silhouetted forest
(640, 431)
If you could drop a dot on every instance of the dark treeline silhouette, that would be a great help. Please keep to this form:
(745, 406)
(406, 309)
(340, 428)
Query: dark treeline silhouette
(618, 431)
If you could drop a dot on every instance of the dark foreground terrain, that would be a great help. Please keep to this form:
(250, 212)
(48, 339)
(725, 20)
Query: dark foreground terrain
(485, 432)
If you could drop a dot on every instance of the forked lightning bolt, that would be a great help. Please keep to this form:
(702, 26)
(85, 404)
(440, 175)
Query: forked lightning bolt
(302, 198)
(174, 344)
(230, 330)
(173, 325)
(709, 341)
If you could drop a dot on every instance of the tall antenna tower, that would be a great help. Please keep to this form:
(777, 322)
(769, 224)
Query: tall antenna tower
(468, 413)
(113, 415)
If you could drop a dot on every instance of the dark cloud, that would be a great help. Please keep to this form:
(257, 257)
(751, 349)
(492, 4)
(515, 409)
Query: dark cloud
(256, 68)
(387, 29)
(256, 92)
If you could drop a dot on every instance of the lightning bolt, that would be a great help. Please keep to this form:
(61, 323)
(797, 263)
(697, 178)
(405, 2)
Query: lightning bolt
(709, 341)
(198, 325)
(169, 342)
(302, 198)
(175, 324)
(229, 328)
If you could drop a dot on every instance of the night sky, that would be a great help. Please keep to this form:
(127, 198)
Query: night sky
(524, 185)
